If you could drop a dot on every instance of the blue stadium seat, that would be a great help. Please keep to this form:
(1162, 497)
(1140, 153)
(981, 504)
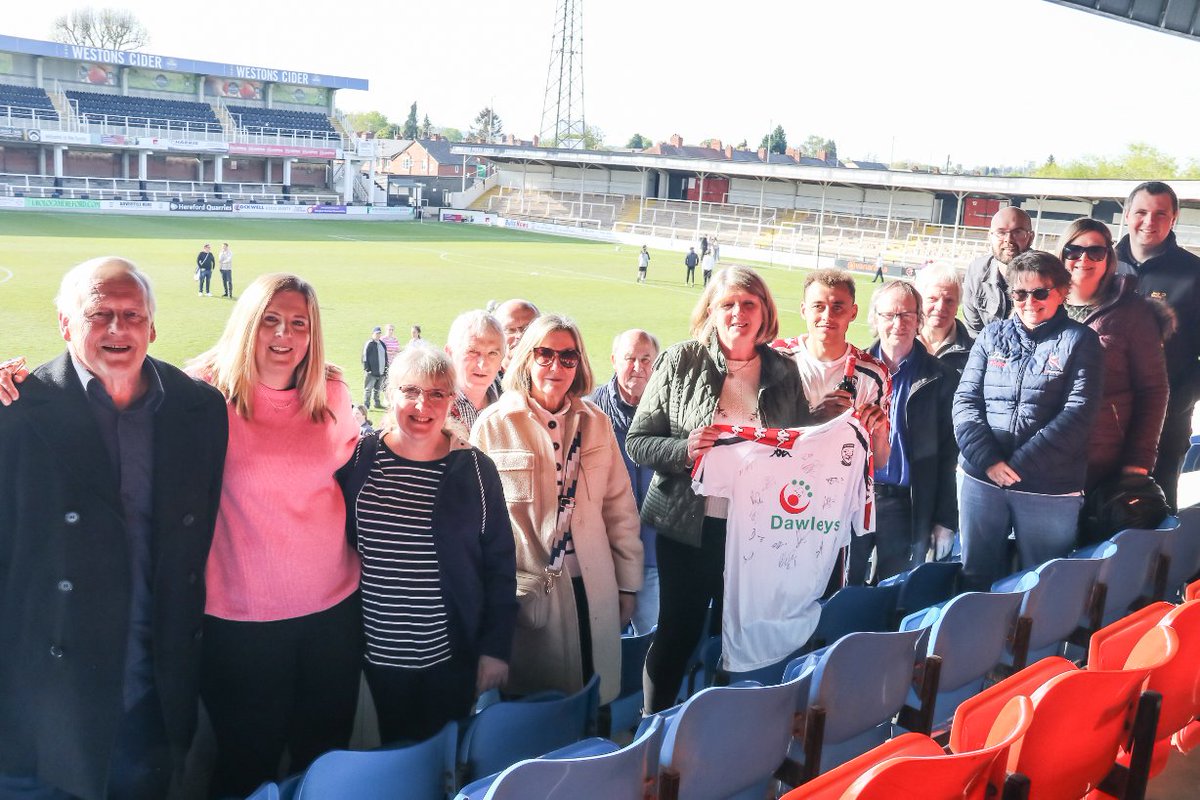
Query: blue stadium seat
(726, 742)
(925, 585)
(1062, 602)
(594, 769)
(504, 733)
(971, 635)
(842, 718)
(423, 771)
(852, 609)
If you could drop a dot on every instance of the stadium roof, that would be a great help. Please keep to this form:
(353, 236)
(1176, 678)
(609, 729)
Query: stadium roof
(1180, 17)
(998, 186)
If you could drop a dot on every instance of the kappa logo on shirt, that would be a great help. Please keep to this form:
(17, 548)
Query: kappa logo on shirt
(998, 360)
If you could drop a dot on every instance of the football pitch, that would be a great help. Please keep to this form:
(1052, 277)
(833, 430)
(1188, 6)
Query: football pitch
(365, 273)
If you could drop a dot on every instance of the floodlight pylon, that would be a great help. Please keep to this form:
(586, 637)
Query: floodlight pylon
(562, 109)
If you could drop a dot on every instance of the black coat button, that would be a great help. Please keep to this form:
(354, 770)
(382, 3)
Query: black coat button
(56, 651)
(189, 519)
(65, 586)
(71, 518)
(552, 424)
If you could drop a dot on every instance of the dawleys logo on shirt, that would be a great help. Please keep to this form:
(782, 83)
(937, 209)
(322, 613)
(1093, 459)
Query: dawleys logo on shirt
(795, 498)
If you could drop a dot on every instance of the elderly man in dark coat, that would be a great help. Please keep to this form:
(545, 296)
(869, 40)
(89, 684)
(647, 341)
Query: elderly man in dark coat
(110, 469)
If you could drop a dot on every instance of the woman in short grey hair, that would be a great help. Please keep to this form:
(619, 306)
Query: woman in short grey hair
(426, 513)
(942, 333)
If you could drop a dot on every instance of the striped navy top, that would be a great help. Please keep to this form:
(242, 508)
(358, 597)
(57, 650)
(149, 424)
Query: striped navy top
(404, 613)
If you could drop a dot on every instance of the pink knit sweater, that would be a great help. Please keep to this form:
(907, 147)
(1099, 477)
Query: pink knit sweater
(280, 549)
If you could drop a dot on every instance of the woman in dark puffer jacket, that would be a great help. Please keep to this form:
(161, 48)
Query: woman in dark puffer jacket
(1022, 416)
(1124, 438)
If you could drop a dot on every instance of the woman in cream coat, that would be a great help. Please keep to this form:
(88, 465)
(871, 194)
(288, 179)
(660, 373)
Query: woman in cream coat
(529, 433)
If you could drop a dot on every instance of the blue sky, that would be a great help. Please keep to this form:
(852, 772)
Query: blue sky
(975, 81)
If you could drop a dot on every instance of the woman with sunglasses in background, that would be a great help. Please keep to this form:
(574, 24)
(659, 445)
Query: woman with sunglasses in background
(1023, 414)
(574, 519)
(426, 513)
(726, 374)
(1131, 328)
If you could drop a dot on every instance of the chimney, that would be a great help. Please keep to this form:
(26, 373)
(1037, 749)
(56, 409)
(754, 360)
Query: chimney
(536, 140)
(729, 152)
(794, 152)
(436, 137)
(510, 139)
(715, 144)
(676, 140)
(823, 155)
(762, 154)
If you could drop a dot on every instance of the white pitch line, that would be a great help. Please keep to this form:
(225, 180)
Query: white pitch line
(7, 276)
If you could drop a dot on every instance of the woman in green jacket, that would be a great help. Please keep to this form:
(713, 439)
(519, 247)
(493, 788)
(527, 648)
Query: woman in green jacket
(726, 375)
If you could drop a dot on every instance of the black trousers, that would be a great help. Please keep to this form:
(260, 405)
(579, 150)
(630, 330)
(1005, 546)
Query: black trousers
(1172, 447)
(892, 541)
(414, 704)
(689, 578)
(285, 685)
(227, 282)
(691, 275)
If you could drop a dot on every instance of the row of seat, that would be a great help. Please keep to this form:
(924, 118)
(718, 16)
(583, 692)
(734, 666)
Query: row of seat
(25, 102)
(281, 119)
(825, 708)
(143, 111)
(1054, 730)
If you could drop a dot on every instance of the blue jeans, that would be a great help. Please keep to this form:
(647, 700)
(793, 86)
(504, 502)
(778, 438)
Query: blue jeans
(1045, 527)
(645, 616)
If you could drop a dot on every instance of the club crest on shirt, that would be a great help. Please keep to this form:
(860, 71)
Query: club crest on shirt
(1158, 295)
(1053, 365)
(847, 453)
(997, 359)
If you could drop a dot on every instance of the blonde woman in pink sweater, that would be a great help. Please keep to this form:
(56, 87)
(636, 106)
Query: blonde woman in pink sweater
(282, 630)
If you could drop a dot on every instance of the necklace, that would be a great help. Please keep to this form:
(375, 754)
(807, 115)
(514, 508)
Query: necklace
(732, 370)
(738, 402)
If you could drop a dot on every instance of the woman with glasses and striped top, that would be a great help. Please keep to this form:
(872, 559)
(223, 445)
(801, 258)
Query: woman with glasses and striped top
(574, 519)
(426, 513)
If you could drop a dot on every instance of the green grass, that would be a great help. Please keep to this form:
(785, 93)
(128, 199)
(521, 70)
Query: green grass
(366, 274)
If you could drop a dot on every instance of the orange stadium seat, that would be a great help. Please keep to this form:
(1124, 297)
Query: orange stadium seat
(915, 766)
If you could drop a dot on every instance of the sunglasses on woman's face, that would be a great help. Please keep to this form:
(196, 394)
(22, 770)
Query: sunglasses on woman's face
(567, 359)
(1021, 295)
(1095, 252)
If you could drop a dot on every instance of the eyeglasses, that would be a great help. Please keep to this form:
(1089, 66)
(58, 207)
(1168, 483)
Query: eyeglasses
(888, 317)
(414, 393)
(567, 359)
(1021, 295)
(1013, 234)
(1095, 252)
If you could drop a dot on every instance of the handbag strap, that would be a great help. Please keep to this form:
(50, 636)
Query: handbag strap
(566, 508)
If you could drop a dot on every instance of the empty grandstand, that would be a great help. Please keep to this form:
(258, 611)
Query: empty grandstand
(785, 207)
(86, 124)
(284, 123)
(112, 110)
(26, 103)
